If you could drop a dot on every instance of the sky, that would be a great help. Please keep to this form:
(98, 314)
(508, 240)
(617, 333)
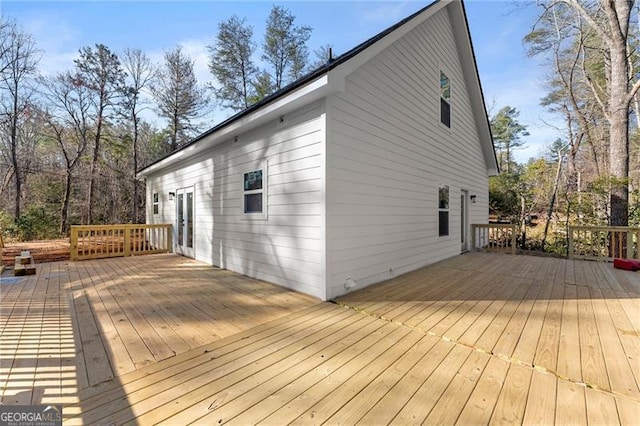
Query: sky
(508, 76)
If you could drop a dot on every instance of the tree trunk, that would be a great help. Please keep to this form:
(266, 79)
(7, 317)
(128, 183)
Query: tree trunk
(134, 211)
(14, 151)
(94, 166)
(619, 133)
(553, 201)
(64, 211)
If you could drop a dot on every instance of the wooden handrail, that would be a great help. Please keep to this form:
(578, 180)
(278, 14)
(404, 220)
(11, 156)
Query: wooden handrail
(603, 242)
(102, 241)
(494, 237)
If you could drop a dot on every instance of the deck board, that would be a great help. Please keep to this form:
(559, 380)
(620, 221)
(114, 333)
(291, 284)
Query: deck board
(479, 338)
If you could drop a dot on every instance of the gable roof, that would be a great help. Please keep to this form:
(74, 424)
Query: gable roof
(377, 43)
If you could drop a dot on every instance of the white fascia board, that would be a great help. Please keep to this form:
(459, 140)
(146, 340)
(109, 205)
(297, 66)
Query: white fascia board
(304, 95)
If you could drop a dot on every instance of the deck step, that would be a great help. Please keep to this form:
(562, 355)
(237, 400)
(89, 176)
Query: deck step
(24, 264)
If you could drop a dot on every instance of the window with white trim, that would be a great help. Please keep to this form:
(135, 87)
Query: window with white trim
(254, 192)
(443, 210)
(156, 203)
(445, 100)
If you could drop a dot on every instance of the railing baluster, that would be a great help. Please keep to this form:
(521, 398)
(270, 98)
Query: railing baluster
(494, 237)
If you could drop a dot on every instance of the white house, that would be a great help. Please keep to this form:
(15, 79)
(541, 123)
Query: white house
(374, 165)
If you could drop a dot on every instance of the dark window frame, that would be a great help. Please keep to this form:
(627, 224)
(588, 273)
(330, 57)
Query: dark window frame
(445, 99)
(443, 210)
(254, 193)
(156, 203)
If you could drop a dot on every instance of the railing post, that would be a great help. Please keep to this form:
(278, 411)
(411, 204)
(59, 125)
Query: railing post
(169, 240)
(127, 242)
(513, 239)
(73, 241)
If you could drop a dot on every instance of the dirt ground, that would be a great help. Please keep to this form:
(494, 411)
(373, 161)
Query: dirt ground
(42, 251)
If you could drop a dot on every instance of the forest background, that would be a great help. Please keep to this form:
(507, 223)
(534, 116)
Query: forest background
(70, 143)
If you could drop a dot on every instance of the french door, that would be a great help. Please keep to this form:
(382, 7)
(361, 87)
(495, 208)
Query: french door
(184, 221)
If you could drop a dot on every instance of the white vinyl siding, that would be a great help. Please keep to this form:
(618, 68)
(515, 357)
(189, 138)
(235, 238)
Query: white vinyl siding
(387, 154)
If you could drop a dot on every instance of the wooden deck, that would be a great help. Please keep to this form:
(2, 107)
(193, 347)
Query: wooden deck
(480, 338)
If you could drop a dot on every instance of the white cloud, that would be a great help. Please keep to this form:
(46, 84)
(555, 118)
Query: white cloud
(57, 40)
(386, 12)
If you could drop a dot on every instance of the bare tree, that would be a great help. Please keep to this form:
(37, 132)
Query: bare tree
(139, 75)
(19, 59)
(68, 123)
(179, 98)
(100, 71)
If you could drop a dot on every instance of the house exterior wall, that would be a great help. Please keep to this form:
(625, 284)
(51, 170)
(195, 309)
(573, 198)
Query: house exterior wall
(387, 155)
(286, 244)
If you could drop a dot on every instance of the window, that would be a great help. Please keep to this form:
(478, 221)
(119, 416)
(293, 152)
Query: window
(156, 203)
(443, 211)
(445, 100)
(253, 192)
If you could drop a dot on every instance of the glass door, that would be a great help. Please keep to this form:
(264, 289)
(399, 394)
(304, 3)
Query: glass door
(464, 215)
(184, 221)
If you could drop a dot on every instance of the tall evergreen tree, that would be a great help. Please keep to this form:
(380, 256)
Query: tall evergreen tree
(179, 98)
(231, 63)
(507, 133)
(285, 47)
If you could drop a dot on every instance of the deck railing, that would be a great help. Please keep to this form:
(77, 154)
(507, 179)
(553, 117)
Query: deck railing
(603, 242)
(102, 241)
(494, 237)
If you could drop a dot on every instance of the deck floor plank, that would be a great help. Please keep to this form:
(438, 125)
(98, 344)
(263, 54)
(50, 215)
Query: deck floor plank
(569, 353)
(571, 404)
(479, 406)
(601, 408)
(592, 360)
(512, 400)
(541, 401)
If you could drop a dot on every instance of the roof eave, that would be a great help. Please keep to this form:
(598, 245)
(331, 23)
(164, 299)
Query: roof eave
(310, 92)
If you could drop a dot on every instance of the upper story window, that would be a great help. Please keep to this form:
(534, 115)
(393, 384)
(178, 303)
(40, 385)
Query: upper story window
(253, 192)
(445, 100)
(156, 203)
